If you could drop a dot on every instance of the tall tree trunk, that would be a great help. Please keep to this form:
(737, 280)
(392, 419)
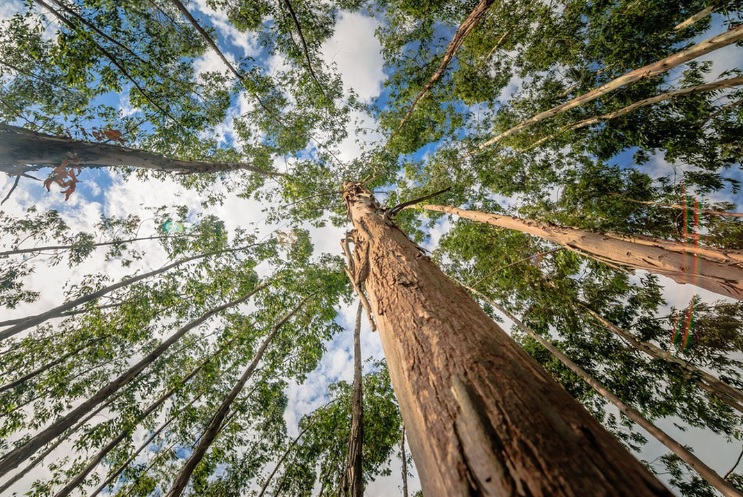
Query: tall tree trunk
(482, 417)
(281, 460)
(215, 425)
(49, 365)
(78, 479)
(20, 147)
(67, 247)
(16, 456)
(12, 481)
(404, 458)
(61, 309)
(352, 484)
(704, 47)
(725, 83)
(700, 467)
(726, 393)
(716, 270)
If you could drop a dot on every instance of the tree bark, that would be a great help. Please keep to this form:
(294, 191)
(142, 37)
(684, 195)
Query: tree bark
(215, 425)
(353, 482)
(52, 448)
(704, 47)
(697, 464)
(20, 147)
(404, 464)
(463, 30)
(482, 417)
(61, 309)
(21, 453)
(725, 83)
(716, 270)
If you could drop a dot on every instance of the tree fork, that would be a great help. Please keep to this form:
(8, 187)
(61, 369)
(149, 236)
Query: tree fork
(482, 417)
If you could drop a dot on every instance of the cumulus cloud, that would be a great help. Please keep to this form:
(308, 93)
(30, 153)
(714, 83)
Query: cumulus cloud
(357, 54)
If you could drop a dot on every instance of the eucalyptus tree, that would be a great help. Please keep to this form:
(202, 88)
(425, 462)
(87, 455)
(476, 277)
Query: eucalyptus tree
(447, 66)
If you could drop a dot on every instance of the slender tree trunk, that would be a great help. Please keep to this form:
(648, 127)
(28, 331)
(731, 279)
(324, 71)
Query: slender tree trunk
(215, 425)
(726, 393)
(61, 309)
(680, 207)
(23, 452)
(20, 147)
(67, 247)
(49, 365)
(694, 19)
(725, 83)
(52, 448)
(482, 417)
(353, 482)
(281, 461)
(128, 429)
(700, 467)
(10, 322)
(143, 446)
(404, 464)
(719, 271)
(729, 37)
(463, 30)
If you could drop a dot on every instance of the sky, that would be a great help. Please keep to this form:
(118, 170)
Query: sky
(355, 52)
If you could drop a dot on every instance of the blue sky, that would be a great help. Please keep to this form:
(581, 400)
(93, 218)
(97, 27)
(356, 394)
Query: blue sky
(356, 54)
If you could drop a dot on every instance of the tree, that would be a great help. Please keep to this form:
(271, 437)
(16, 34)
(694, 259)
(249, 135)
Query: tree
(160, 377)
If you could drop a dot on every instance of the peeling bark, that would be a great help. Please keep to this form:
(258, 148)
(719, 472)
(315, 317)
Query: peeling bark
(716, 270)
(482, 417)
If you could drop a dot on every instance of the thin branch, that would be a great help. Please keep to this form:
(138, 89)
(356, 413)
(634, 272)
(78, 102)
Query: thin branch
(734, 466)
(693, 19)
(490, 275)
(304, 45)
(456, 42)
(393, 211)
(113, 60)
(12, 189)
(659, 67)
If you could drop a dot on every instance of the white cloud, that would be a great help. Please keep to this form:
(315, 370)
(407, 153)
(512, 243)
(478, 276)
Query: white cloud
(9, 8)
(357, 54)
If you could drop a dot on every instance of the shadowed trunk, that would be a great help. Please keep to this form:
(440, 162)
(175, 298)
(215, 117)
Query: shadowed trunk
(20, 148)
(482, 417)
(21, 453)
(404, 464)
(353, 482)
(216, 423)
(699, 466)
(716, 270)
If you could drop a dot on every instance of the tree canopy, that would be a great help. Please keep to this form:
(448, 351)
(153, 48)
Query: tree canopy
(178, 286)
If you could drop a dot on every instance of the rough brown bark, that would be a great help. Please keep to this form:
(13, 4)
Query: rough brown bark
(353, 482)
(21, 453)
(482, 417)
(464, 29)
(697, 464)
(729, 37)
(716, 270)
(20, 147)
(216, 423)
